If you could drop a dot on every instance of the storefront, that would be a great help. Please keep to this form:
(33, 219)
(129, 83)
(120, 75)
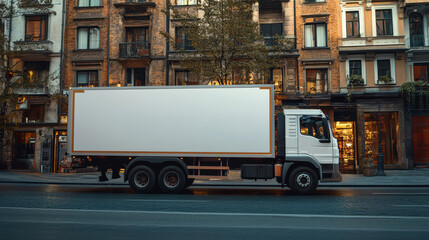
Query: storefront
(345, 132)
(23, 150)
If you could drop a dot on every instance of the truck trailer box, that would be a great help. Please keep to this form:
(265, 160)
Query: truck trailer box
(190, 121)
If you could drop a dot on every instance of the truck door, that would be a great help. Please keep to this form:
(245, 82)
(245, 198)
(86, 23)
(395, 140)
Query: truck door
(314, 138)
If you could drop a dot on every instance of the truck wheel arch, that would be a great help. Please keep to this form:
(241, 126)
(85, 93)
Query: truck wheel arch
(156, 163)
(293, 162)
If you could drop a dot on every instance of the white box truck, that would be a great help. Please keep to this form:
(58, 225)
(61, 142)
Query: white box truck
(165, 137)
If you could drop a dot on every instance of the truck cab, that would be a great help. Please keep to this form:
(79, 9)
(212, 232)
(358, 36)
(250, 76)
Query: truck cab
(311, 152)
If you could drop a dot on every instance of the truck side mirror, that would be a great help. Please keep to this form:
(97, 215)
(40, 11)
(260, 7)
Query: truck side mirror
(326, 131)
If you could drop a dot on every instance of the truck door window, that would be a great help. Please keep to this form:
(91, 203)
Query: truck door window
(312, 126)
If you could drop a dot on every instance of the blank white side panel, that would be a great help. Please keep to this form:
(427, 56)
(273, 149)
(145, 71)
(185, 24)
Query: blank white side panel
(201, 121)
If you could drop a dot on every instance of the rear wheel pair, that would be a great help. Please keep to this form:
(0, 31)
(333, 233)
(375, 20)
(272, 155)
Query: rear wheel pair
(171, 179)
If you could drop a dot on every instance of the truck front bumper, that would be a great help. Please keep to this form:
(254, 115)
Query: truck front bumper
(335, 176)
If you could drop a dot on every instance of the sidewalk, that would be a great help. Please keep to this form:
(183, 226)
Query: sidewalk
(418, 177)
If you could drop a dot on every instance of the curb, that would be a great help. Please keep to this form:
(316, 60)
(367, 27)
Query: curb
(226, 185)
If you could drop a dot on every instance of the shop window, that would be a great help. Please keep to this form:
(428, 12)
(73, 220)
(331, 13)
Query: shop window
(186, 2)
(135, 77)
(344, 132)
(36, 28)
(87, 78)
(88, 38)
(89, 3)
(270, 32)
(23, 150)
(35, 114)
(384, 23)
(389, 132)
(317, 80)
(352, 24)
(185, 77)
(315, 35)
(182, 40)
(313, 126)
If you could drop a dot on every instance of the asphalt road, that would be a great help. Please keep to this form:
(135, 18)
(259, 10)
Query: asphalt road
(38, 211)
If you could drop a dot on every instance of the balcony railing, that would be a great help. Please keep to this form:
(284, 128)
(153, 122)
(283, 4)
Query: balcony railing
(134, 49)
(417, 41)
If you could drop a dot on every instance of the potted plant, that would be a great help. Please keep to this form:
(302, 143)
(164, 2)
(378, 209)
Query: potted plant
(367, 167)
(385, 79)
(356, 80)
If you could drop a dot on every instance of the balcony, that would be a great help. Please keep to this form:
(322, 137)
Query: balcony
(34, 46)
(133, 6)
(372, 44)
(417, 41)
(134, 49)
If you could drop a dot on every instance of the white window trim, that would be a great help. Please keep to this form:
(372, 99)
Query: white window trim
(361, 20)
(363, 65)
(394, 18)
(390, 57)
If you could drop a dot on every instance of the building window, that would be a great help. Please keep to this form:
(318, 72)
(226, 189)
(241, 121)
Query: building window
(88, 38)
(182, 40)
(421, 71)
(417, 38)
(270, 31)
(135, 77)
(385, 71)
(384, 23)
(185, 77)
(276, 78)
(186, 2)
(317, 81)
(35, 114)
(315, 35)
(87, 78)
(89, 3)
(352, 24)
(36, 70)
(314, 1)
(36, 28)
(355, 67)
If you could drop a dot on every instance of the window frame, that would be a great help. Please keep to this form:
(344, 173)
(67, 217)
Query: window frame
(326, 81)
(97, 83)
(315, 35)
(394, 19)
(43, 16)
(89, 6)
(88, 38)
(363, 67)
(390, 57)
(186, 3)
(176, 71)
(271, 36)
(186, 44)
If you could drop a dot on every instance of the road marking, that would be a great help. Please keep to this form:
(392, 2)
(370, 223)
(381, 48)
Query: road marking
(219, 214)
(209, 226)
(164, 200)
(410, 205)
(385, 193)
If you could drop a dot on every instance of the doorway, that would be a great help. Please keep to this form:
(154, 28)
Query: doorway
(23, 151)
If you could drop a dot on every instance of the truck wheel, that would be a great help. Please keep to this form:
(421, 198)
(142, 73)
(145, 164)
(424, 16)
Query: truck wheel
(171, 179)
(303, 180)
(189, 182)
(141, 179)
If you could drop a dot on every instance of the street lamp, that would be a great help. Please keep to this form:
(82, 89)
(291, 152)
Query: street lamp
(380, 157)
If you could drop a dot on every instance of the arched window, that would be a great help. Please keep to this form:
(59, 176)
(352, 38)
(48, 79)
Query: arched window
(416, 30)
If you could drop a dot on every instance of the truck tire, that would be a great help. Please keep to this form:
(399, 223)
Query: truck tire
(171, 179)
(303, 180)
(142, 179)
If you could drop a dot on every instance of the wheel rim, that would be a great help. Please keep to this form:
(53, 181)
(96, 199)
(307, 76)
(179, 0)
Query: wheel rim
(141, 179)
(171, 179)
(303, 180)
